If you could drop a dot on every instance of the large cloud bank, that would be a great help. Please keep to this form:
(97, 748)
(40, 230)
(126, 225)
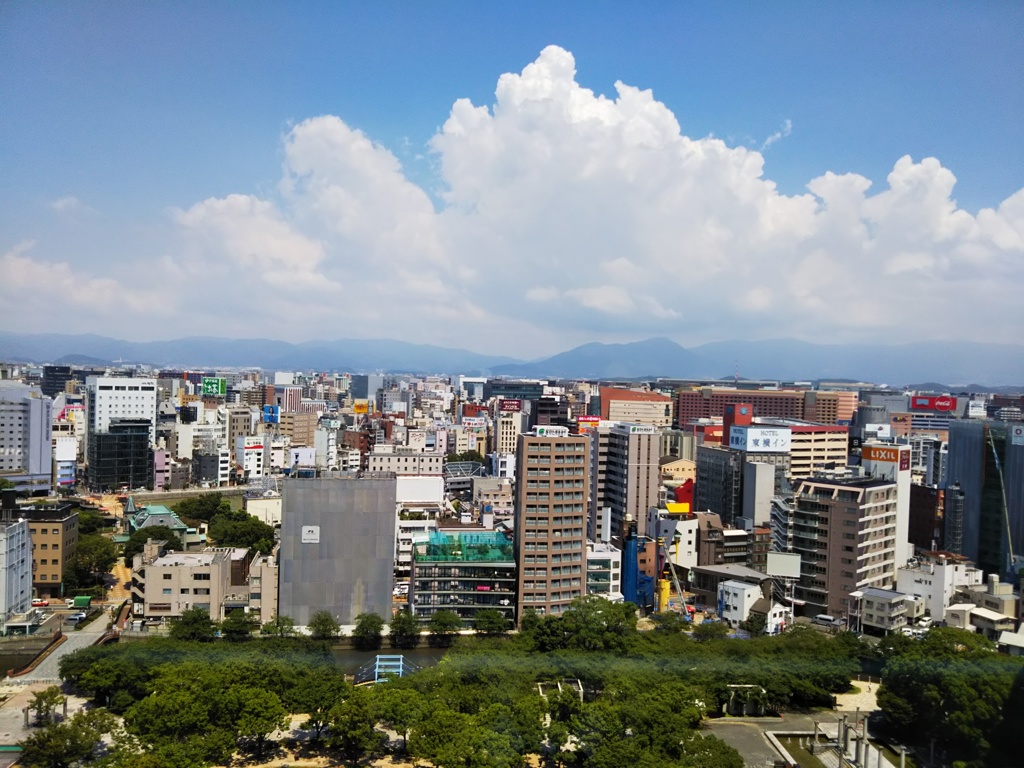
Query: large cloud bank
(566, 216)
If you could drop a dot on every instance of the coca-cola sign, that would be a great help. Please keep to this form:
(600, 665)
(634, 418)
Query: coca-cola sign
(943, 403)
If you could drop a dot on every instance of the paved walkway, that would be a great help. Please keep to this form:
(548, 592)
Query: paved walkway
(48, 669)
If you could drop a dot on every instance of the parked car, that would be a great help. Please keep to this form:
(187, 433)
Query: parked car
(74, 618)
(40, 603)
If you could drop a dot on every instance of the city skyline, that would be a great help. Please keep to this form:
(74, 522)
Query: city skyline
(512, 184)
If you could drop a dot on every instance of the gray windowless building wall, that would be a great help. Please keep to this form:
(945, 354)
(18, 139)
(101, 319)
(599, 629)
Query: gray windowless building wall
(337, 547)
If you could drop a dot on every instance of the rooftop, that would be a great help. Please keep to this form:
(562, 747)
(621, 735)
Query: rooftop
(467, 547)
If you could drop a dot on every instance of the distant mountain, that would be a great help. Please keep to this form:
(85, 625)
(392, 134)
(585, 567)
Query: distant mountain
(205, 352)
(650, 358)
(985, 365)
(953, 362)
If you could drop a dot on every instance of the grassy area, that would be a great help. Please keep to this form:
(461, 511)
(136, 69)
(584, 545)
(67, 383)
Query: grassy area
(803, 758)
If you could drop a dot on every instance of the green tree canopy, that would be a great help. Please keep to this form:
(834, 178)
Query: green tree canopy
(94, 556)
(323, 626)
(281, 626)
(60, 745)
(491, 621)
(404, 630)
(202, 508)
(194, 624)
(238, 625)
(443, 626)
(138, 539)
(352, 724)
(240, 529)
(367, 635)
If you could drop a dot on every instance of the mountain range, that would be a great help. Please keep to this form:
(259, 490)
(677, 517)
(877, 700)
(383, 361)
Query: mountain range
(982, 364)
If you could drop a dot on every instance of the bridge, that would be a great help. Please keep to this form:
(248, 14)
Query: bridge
(381, 668)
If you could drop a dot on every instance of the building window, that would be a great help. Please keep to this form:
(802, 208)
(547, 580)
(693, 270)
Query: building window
(167, 591)
(167, 577)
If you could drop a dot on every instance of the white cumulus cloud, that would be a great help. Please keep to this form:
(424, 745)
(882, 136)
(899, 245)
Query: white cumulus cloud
(566, 215)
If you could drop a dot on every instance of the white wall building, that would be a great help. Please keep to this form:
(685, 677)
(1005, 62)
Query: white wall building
(735, 599)
(15, 570)
(26, 436)
(934, 578)
(109, 398)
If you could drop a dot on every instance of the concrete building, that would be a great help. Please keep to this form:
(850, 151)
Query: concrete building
(466, 573)
(164, 585)
(636, 407)
(934, 578)
(54, 533)
(625, 475)
(337, 547)
(826, 407)
(550, 527)
(263, 571)
(26, 438)
(15, 562)
(604, 570)
(401, 461)
(814, 446)
(846, 534)
(120, 456)
(882, 610)
(109, 398)
(736, 599)
(299, 427)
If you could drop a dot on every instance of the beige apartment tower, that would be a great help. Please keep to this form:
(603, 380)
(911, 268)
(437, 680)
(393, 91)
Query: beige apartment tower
(552, 470)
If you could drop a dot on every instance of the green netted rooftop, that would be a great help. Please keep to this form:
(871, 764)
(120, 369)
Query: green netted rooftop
(475, 547)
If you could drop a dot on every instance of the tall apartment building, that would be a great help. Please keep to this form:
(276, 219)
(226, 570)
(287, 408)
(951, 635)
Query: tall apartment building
(636, 407)
(26, 437)
(550, 528)
(53, 530)
(814, 446)
(15, 561)
(629, 459)
(845, 533)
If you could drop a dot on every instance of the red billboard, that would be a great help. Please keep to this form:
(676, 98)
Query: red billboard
(510, 406)
(943, 403)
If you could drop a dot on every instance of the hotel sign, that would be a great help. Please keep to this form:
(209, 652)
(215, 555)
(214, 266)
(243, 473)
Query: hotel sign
(760, 439)
(510, 406)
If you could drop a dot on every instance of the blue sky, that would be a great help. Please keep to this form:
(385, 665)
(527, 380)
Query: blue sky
(120, 118)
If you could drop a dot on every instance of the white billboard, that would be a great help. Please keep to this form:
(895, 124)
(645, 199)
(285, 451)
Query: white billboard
(785, 565)
(760, 439)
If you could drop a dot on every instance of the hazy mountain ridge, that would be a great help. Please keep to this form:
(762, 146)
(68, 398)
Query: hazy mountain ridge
(982, 364)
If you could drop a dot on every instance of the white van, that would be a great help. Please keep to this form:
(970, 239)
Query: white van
(824, 620)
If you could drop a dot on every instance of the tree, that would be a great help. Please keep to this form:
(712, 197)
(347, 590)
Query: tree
(94, 556)
(202, 508)
(710, 630)
(352, 724)
(443, 625)
(239, 625)
(755, 624)
(323, 626)
(59, 745)
(490, 621)
(194, 624)
(138, 539)
(399, 708)
(670, 621)
(404, 630)
(45, 703)
(261, 714)
(367, 634)
(238, 528)
(467, 456)
(6, 484)
(281, 626)
(315, 694)
(91, 521)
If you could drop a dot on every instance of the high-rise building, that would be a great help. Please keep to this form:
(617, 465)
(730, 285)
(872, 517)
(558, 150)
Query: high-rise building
(845, 534)
(120, 456)
(811, 405)
(53, 530)
(632, 474)
(337, 547)
(109, 398)
(15, 561)
(550, 528)
(26, 437)
(55, 377)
